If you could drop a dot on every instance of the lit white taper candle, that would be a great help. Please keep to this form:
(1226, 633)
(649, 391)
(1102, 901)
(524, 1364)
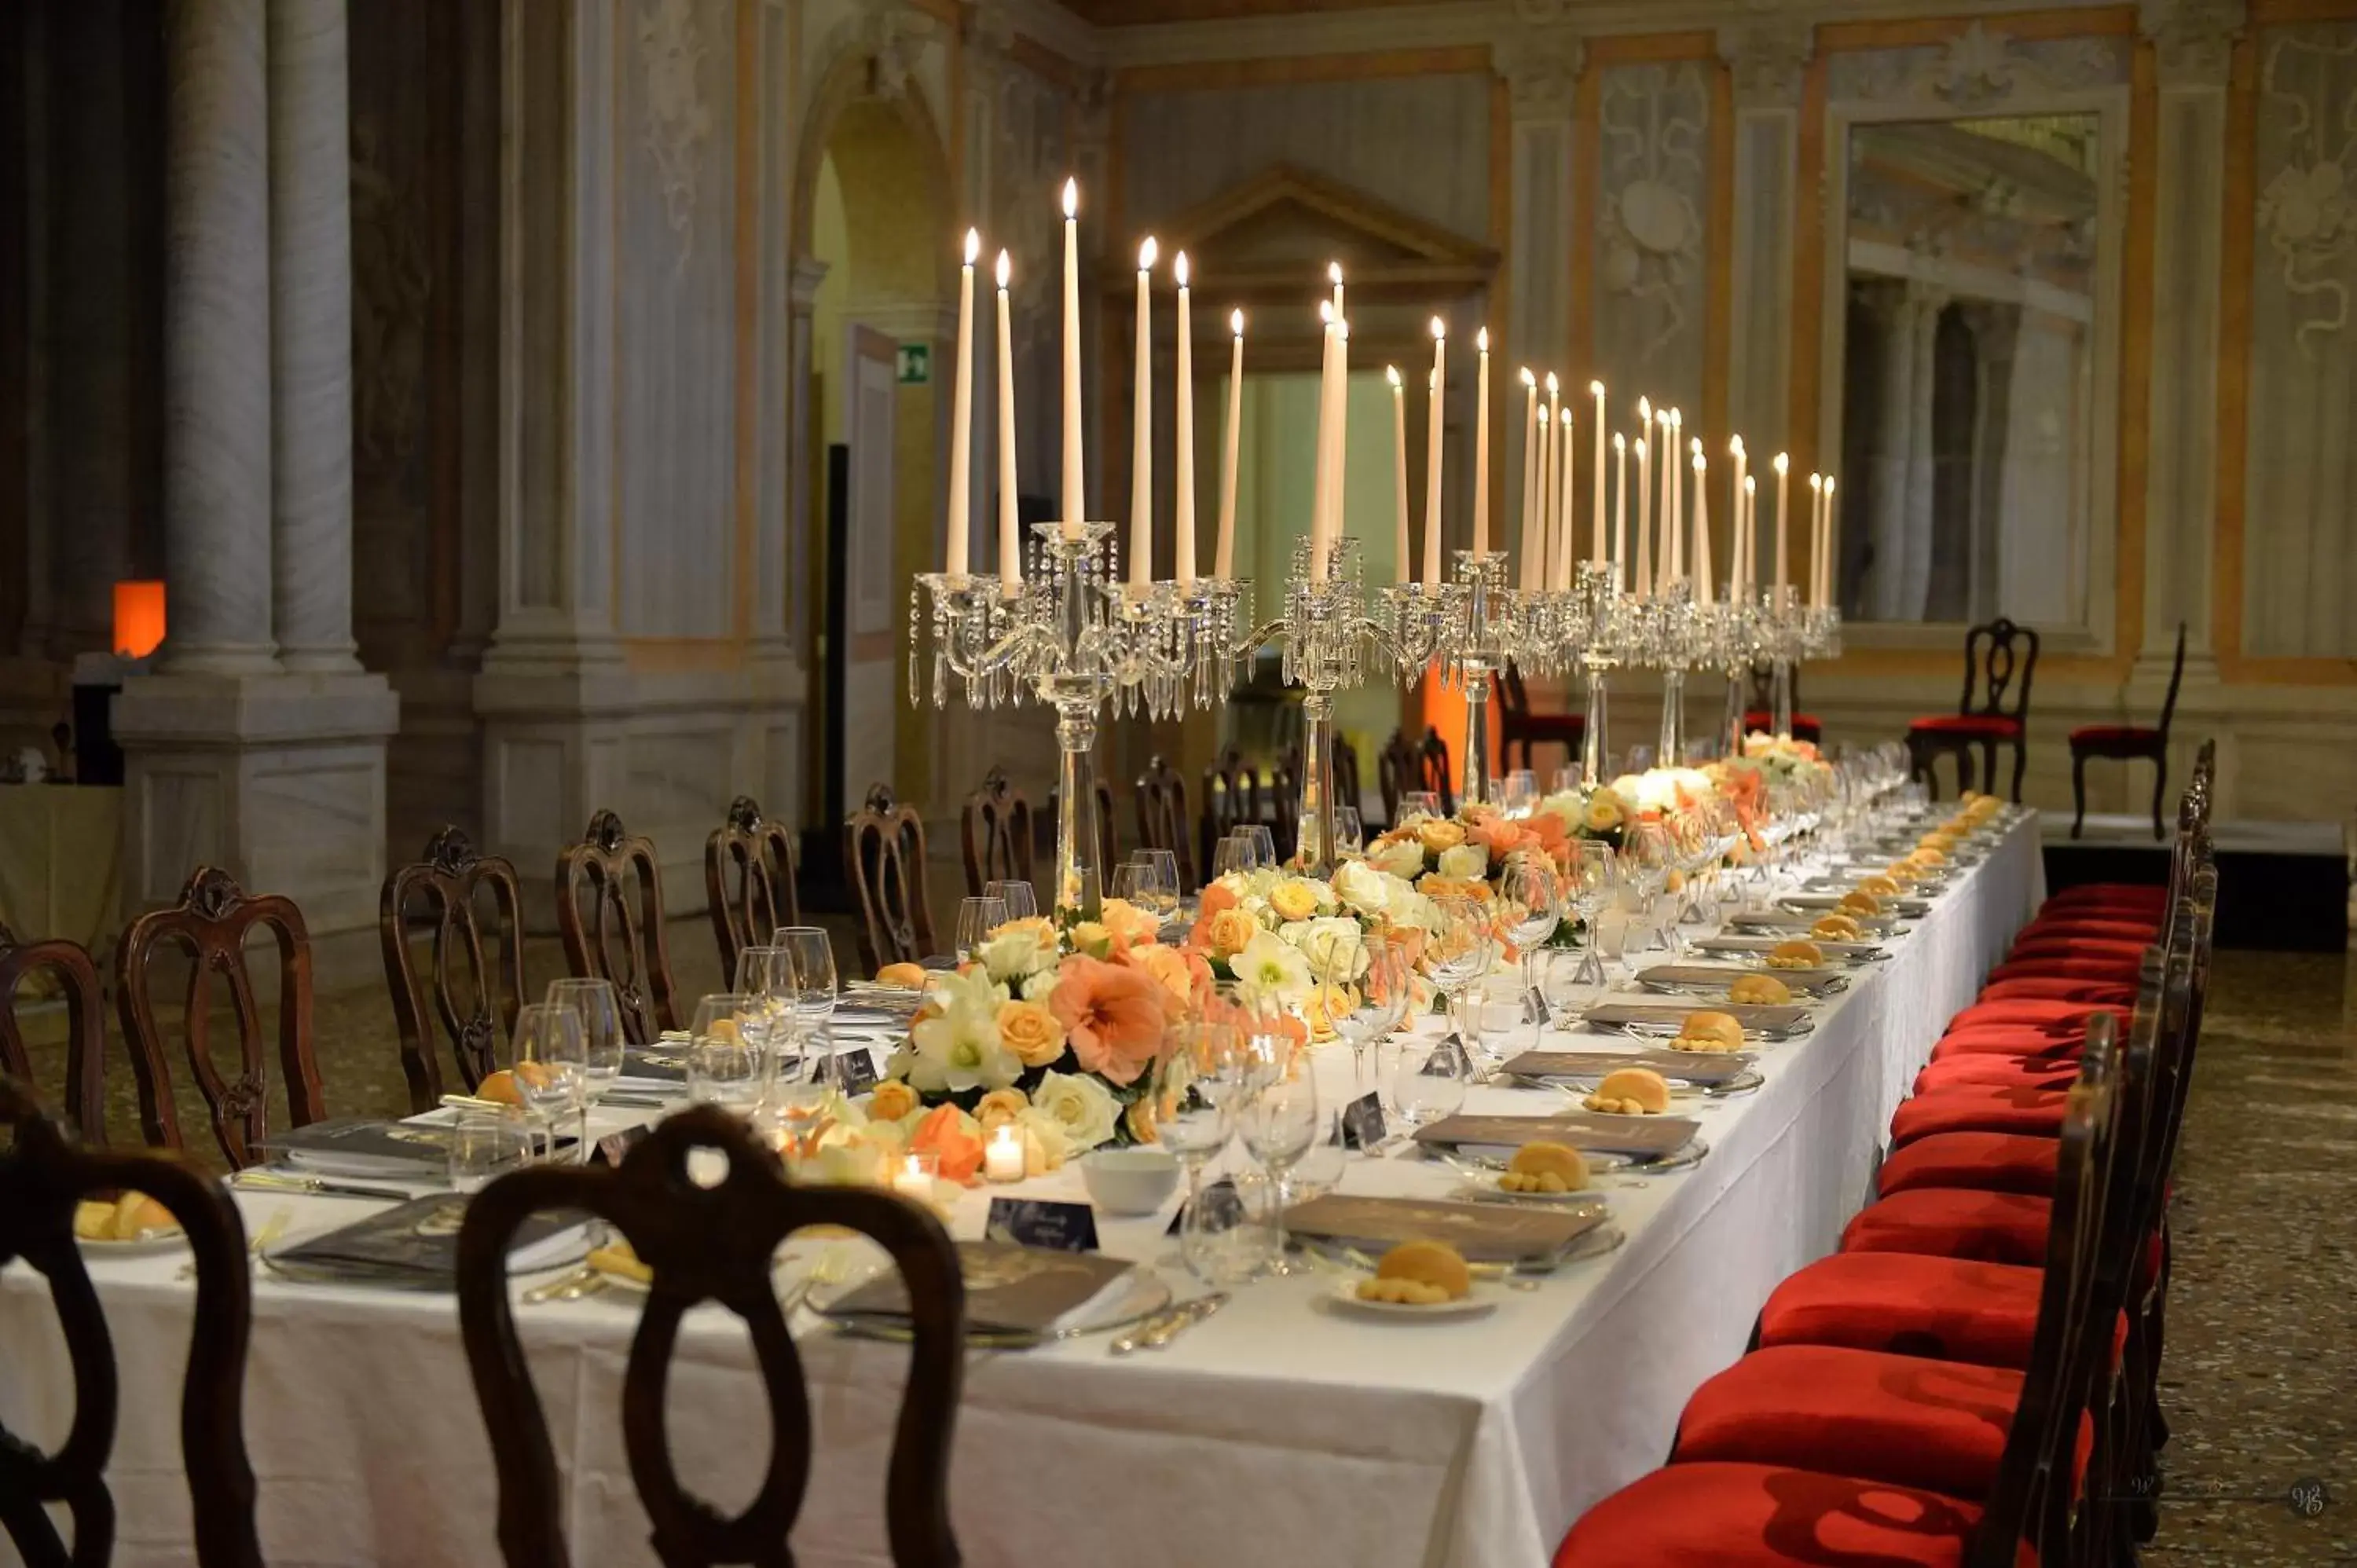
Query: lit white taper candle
(1826, 578)
(1528, 577)
(1482, 442)
(1223, 560)
(1010, 510)
(1552, 499)
(1677, 445)
(1567, 544)
(1076, 500)
(1701, 526)
(1432, 453)
(961, 418)
(1182, 482)
(1334, 277)
(1322, 474)
(1817, 535)
(1735, 516)
(1400, 549)
(1619, 509)
(1750, 532)
(1644, 509)
(1596, 544)
(1141, 428)
(1783, 538)
(1341, 444)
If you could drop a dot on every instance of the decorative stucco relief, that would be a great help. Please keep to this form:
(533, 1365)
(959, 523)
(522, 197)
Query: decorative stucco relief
(1655, 121)
(2307, 213)
(1981, 71)
(678, 121)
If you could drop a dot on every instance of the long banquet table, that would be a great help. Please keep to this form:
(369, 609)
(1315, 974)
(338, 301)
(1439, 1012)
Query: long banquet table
(1277, 1432)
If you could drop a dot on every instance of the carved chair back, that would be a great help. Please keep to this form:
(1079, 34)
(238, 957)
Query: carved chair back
(711, 1243)
(609, 910)
(749, 872)
(474, 906)
(1514, 697)
(42, 1178)
(213, 925)
(1997, 654)
(1285, 803)
(995, 830)
(69, 964)
(1345, 774)
(1163, 820)
(884, 862)
(2176, 675)
(1231, 798)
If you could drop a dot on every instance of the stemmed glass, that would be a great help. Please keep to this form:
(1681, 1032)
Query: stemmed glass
(1564, 987)
(1591, 881)
(549, 1069)
(1022, 899)
(1522, 792)
(724, 1061)
(1415, 803)
(1264, 844)
(1278, 1119)
(1160, 882)
(599, 1009)
(978, 917)
(810, 959)
(1350, 831)
(1530, 907)
(1428, 1081)
(1366, 986)
(1646, 857)
(1191, 1094)
(1460, 953)
(766, 975)
(1231, 856)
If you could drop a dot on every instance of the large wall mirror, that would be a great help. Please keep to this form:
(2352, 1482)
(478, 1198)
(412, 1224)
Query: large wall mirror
(1974, 320)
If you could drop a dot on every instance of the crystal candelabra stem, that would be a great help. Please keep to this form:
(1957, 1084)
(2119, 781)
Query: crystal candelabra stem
(1673, 718)
(1730, 722)
(1080, 880)
(1315, 851)
(1475, 670)
(1781, 693)
(1591, 738)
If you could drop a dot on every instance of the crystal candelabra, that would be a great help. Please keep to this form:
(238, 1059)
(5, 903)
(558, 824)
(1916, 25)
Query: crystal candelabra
(1327, 637)
(1597, 625)
(1075, 637)
(1466, 630)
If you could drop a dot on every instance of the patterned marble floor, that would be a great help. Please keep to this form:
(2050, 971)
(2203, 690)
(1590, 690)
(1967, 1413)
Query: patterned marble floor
(2262, 1356)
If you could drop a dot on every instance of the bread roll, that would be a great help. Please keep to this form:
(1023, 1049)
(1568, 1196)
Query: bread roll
(136, 1215)
(1435, 1265)
(907, 976)
(1543, 1166)
(1929, 854)
(1860, 903)
(500, 1087)
(1759, 991)
(1631, 1092)
(94, 1219)
(1878, 886)
(1795, 955)
(1403, 1292)
(1837, 928)
(1709, 1031)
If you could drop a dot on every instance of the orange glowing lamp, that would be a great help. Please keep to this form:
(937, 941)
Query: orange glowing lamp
(138, 618)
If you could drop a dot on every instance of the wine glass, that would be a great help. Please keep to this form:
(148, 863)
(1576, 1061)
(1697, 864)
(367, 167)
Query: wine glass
(1366, 995)
(810, 958)
(1135, 886)
(1232, 855)
(1529, 907)
(1646, 857)
(1264, 845)
(976, 918)
(603, 1047)
(1350, 831)
(1194, 1119)
(1429, 1079)
(1415, 803)
(1162, 867)
(1459, 954)
(1278, 1117)
(1591, 882)
(1522, 792)
(549, 1069)
(723, 1060)
(1021, 898)
(766, 974)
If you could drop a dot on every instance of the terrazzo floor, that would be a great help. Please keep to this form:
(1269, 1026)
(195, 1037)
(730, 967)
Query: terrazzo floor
(2260, 1379)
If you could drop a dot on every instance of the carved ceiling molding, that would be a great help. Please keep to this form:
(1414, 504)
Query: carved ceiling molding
(1769, 59)
(1982, 70)
(1541, 54)
(2192, 41)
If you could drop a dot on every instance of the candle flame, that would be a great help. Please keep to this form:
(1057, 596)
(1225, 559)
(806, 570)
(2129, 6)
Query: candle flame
(1694, 446)
(1639, 447)
(1596, 389)
(1783, 463)
(1391, 373)
(973, 245)
(1440, 328)
(1481, 340)
(1529, 380)
(1677, 420)
(1817, 482)
(1071, 198)
(1553, 386)
(1178, 266)
(1334, 272)
(1620, 442)
(1750, 484)
(1736, 446)
(1645, 410)
(1564, 415)
(1006, 269)
(1145, 255)
(1829, 484)
(1325, 311)
(1236, 322)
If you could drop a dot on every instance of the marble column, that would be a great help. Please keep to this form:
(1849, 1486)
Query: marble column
(1767, 60)
(311, 336)
(217, 466)
(1895, 313)
(1914, 576)
(1541, 61)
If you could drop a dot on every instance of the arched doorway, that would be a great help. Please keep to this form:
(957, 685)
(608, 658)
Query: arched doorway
(871, 190)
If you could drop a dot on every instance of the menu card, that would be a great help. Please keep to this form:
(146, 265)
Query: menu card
(1688, 1067)
(1640, 1137)
(1009, 1289)
(417, 1243)
(366, 1147)
(1482, 1232)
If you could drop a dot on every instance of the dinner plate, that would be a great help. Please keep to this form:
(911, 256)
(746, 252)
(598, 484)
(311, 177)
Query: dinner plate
(1495, 1157)
(1850, 953)
(1487, 1190)
(1482, 1299)
(154, 1241)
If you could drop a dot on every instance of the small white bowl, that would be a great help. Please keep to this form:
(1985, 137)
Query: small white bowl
(1129, 1181)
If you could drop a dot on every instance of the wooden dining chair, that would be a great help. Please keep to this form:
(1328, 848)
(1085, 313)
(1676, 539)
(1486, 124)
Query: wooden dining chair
(69, 964)
(1285, 803)
(2128, 743)
(1230, 799)
(1519, 725)
(884, 862)
(212, 926)
(1759, 710)
(1163, 822)
(1406, 765)
(473, 984)
(1347, 778)
(749, 873)
(994, 832)
(609, 886)
(42, 1178)
(1992, 711)
(711, 1241)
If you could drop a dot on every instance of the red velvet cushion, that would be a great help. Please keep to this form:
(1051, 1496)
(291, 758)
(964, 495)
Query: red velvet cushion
(1904, 1419)
(2061, 988)
(2090, 927)
(1762, 1516)
(1912, 1305)
(2042, 946)
(2037, 1012)
(2023, 1040)
(1973, 725)
(1955, 1222)
(1988, 1161)
(1991, 1069)
(2113, 735)
(2124, 969)
(2014, 1107)
(1759, 720)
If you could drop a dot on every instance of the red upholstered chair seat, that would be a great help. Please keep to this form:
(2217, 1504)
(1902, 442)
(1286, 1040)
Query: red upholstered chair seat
(2061, 988)
(2031, 948)
(1955, 1222)
(1985, 1161)
(2002, 1107)
(2112, 968)
(2114, 734)
(1765, 1515)
(2091, 927)
(1995, 727)
(1909, 1304)
(2038, 1012)
(1908, 1420)
(1759, 720)
(1989, 1068)
(2021, 1040)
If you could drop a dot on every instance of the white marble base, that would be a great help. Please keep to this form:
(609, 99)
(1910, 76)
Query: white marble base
(279, 779)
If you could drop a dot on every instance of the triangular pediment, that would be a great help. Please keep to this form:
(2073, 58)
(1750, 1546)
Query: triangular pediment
(1284, 225)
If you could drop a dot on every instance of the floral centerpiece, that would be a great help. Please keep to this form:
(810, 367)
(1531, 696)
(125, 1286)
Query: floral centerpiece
(1283, 938)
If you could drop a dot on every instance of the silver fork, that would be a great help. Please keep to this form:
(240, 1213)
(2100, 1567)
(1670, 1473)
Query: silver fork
(272, 1228)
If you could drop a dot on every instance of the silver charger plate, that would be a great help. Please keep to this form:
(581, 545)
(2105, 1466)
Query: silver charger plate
(1851, 953)
(1495, 1157)
(1149, 1293)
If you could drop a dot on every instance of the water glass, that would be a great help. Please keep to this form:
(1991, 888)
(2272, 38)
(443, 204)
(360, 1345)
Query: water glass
(551, 1069)
(485, 1145)
(1022, 899)
(1163, 868)
(976, 918)
(766, 975)
(1521, 795)
(1366, 997)
(1561, 976)
(1460, 952)
(1279, 1123)
(1350, 831)
(1232, 855)
(603, 1044)
(1415, 803)
(1429, 1079)
(1264, 845)
(811, 957)
(724, 1061)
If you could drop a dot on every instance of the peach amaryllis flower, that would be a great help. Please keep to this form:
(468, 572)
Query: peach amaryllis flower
(1113, 1016)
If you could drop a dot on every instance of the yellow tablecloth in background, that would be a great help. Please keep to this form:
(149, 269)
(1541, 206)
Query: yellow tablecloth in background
(60, 863)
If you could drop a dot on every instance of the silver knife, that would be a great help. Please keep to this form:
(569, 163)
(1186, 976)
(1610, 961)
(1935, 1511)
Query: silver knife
(1180, 1319)
(262, 1182)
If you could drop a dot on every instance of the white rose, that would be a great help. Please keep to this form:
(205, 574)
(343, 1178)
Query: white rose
(1334, 944)
(1079, 1106)
(1040, 986)
(1465, 863)
(959, 1048)
(1016, 952)
(1404, 858)
(1361, 886)
(1566, 804)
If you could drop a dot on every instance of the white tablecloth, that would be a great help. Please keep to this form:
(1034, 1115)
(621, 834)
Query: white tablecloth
(1276, 1433)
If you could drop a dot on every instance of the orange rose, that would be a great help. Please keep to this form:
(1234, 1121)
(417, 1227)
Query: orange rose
(999, 1107)
(1031, 1032)
(1499, 835)
(1437, 834)
(1219, 896)
(1139, 1119)
(1178, 970)
(1129, 924)
(1226, 932)
(943, 1132)
(1432, 885)
(1113, 1017)
(892, 1099)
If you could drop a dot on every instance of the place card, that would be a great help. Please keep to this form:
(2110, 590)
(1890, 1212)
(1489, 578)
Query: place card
(1639, 1137)
(1482, 1232)
(1701, 1068)
(854, 1071)
(1041, 1223)
(1362, 1122)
